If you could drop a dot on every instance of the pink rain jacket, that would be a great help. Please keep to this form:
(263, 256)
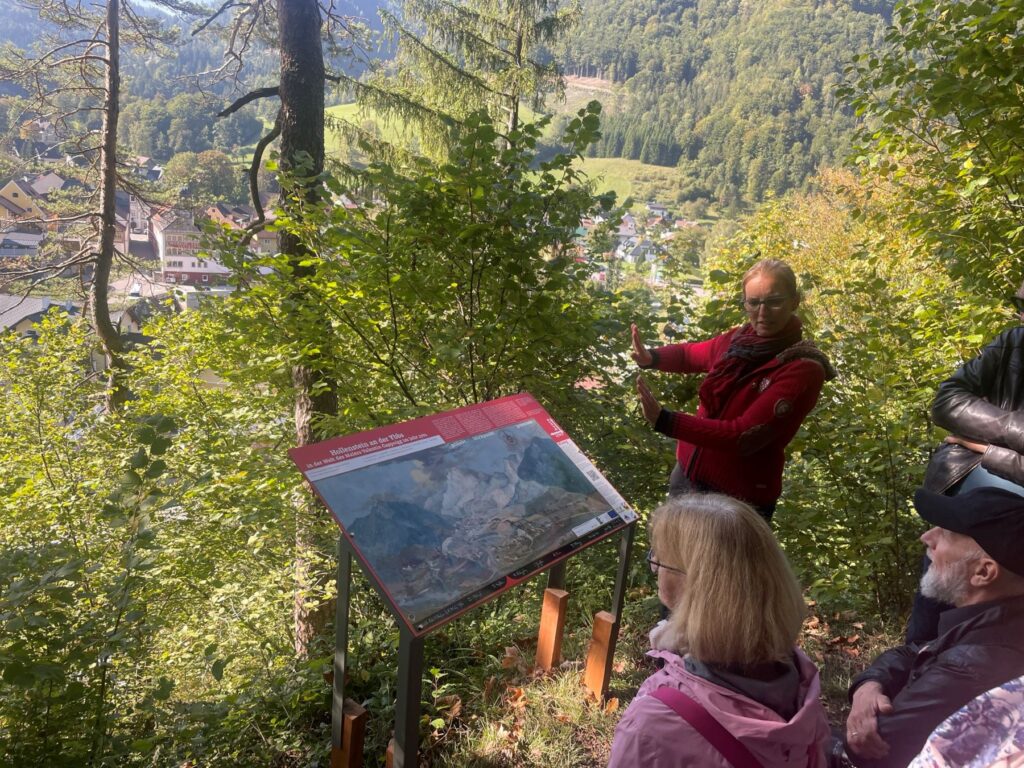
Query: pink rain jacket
(652, 735)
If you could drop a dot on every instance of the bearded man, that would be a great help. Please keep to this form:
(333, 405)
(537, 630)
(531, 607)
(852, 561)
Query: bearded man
(976, 549)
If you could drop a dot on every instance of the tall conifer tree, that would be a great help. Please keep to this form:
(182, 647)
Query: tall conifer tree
(458, 56)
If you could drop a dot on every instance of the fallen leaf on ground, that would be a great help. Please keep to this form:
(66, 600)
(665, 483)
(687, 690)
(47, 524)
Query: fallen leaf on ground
(516, 697)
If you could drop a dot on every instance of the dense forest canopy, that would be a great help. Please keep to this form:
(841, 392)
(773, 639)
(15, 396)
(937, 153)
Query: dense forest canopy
(741, 96)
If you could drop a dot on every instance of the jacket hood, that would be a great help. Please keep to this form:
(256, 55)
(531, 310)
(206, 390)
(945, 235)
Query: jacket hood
(772, 740)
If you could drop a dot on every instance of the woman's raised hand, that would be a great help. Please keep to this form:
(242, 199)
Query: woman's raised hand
(641, 354)
(649, 404)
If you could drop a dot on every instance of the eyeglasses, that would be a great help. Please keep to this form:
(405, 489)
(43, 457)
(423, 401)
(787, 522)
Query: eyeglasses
(771, 303)
(1018, 302)
(655, 565)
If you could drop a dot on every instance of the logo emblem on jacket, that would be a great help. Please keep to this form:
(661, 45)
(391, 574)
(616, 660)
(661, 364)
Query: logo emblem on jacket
(763, 384)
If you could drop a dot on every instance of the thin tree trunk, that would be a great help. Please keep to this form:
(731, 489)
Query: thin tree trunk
(302, 136)
(109, 337)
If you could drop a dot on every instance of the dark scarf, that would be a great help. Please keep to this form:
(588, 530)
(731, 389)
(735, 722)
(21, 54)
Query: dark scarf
(747, 352)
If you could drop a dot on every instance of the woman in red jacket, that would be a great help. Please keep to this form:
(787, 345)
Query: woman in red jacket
(762, 380)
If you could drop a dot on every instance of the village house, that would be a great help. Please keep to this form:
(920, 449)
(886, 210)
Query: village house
(10, 213)
(627, 228)
(240, 217)
(45, 183)
(20, 313)
(13, 249)
(146, 168)
(637, 250)
(21, 240)
(176, 243)
(19, 193)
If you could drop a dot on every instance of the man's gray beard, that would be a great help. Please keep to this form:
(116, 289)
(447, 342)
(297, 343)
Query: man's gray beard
(947, 584)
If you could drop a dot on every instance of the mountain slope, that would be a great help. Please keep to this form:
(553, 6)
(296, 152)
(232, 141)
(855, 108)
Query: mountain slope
(738, 94)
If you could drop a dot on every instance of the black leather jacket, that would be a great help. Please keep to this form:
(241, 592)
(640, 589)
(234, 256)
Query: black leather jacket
(978, 647)
(983, 401)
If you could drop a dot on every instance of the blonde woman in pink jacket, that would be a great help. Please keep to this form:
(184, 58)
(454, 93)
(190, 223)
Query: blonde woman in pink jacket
(733, 691)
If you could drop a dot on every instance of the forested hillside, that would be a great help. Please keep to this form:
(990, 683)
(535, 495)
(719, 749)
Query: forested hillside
(172, 92)
(739, 94)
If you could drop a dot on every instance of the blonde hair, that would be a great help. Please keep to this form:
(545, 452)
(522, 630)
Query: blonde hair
(741, 604)
(776, 268)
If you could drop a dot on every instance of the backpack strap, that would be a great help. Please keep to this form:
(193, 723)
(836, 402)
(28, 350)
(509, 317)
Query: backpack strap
(693, 713)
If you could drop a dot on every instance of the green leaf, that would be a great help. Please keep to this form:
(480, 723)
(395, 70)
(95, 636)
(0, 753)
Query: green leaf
(163, 690)
(217, 670)
(131, 479)
(156, 469)
(18, 675)
(159, 446)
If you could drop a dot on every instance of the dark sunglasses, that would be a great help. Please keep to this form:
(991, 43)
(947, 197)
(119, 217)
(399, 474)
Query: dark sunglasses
(1018, 302)
(655, 565)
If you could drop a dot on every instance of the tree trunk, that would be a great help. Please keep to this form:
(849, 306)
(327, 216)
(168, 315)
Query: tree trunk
(109, 337)
(302, 139)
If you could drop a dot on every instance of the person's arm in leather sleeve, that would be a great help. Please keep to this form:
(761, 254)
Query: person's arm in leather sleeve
(891, 670)
(1004, 462)
(960, 405)
(919, 708)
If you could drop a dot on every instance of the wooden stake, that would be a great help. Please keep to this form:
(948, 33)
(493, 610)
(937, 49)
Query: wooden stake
(552, 628)
(599, 660)
(353, 732)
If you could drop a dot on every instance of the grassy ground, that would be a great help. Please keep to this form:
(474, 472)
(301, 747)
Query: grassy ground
(633, 179)
(579, 91)
(390, 131)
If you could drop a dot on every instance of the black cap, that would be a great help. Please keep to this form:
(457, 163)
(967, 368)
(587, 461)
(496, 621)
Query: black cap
(993, 517)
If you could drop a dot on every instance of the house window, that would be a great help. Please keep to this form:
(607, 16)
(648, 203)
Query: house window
(170, 279)
(206, 278)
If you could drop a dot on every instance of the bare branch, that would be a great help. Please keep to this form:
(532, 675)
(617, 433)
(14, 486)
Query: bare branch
(254, 168)
(228, 5)
(260, 93)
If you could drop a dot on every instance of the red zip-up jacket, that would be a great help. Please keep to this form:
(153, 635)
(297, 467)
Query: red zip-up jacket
(740, 452)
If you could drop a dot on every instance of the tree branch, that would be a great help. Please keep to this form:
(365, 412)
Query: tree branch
(215, 15)
(259, 93)
(254, 167)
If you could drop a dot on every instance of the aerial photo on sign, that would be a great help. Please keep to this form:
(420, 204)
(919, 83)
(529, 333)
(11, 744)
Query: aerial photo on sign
(442, 525)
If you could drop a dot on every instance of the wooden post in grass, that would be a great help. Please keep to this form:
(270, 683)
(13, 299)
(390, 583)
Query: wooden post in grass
(602, 650)
(552, 628)
(353, 732)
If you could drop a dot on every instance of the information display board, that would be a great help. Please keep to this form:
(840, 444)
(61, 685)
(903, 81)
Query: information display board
(448, 511)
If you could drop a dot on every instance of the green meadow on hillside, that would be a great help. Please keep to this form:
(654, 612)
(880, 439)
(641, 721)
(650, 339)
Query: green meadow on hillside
(627, 178)
(633, 179)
